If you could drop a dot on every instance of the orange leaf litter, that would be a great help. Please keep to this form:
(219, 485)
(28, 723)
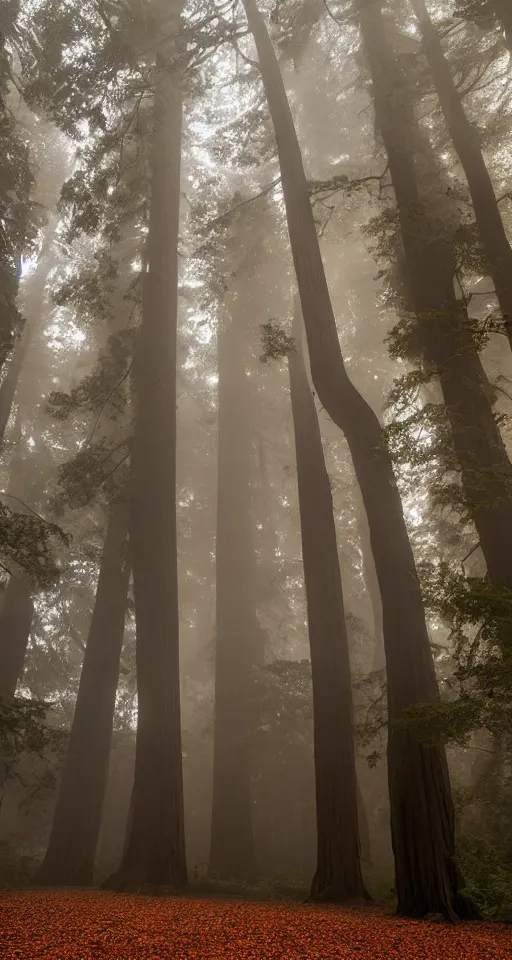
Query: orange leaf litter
(92, 926)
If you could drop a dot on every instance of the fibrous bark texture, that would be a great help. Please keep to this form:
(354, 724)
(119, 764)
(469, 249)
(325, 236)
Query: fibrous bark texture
(422, 811)
(70, 856)
(155, 849)
(338, 874)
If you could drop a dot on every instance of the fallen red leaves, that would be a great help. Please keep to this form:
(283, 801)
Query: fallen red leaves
(94, 926)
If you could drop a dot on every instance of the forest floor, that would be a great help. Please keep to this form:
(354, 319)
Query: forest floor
(76, 925)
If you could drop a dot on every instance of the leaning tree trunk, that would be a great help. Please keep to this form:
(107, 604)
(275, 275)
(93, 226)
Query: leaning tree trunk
(238, 639)
(155, 849)
(338, 874)
(71, 852)
(465, 137)
(444, 329)
(422, 811)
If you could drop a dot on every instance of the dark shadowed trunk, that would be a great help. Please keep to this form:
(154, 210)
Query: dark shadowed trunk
(466, 141)
(422, 817)
(364, 827)
(155, 848)
(338, 873)
(443, 325)
(70, 856)
(15, 623)
(238, 638)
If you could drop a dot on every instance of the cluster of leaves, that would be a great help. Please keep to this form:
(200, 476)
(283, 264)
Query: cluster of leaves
(484, 849)
(275, 342)
(24, 729)
(479, 682)
(29, 541)
(94, 467)
(103, 386)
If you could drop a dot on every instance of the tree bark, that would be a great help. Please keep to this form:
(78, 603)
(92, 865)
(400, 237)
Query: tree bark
(503, 10)
(15, 624)
(71, 852)
(338, 874)
(364, 827)
(155, 848)
(422, 811)
(495, 242)
(372, 587)
(238, 638)
(444, 327)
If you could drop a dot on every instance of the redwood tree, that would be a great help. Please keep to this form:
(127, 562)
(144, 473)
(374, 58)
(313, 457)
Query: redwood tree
(238, 634)
(465, 137)
(443, 335)
(422, 818)
(71, 851)
(155, 847)
(338, 874)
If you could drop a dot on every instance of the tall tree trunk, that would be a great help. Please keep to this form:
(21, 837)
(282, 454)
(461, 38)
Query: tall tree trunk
(15, 623)
(238, 637)
(33, 310)
(155, 849)
(17, 609)
(71, 852)
(444, 327)
(465, 137)
(364, 827)
(503, 10)
(427, 879)
(372, 587)
(338, 874)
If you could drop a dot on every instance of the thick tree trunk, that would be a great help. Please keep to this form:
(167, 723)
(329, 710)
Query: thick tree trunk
(496, 245)
(444, 327)
(422, 811)
(15, 623)
(155, 849)
(338, 874)
(238, 638)
(71, 852)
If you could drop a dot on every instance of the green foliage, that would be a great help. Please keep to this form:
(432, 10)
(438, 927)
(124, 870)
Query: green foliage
(488, 879)
(24, 729)
(29, 541)
(484, 848)
(440, 722)
(101, 391)
(93, 468)
(275, 342)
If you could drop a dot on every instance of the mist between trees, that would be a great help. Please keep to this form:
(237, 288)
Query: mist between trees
(255, 392)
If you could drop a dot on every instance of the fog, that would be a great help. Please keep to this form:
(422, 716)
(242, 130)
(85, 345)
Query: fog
(255, 612)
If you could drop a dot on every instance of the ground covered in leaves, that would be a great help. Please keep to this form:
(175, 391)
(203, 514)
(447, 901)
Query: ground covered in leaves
(92, 926)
